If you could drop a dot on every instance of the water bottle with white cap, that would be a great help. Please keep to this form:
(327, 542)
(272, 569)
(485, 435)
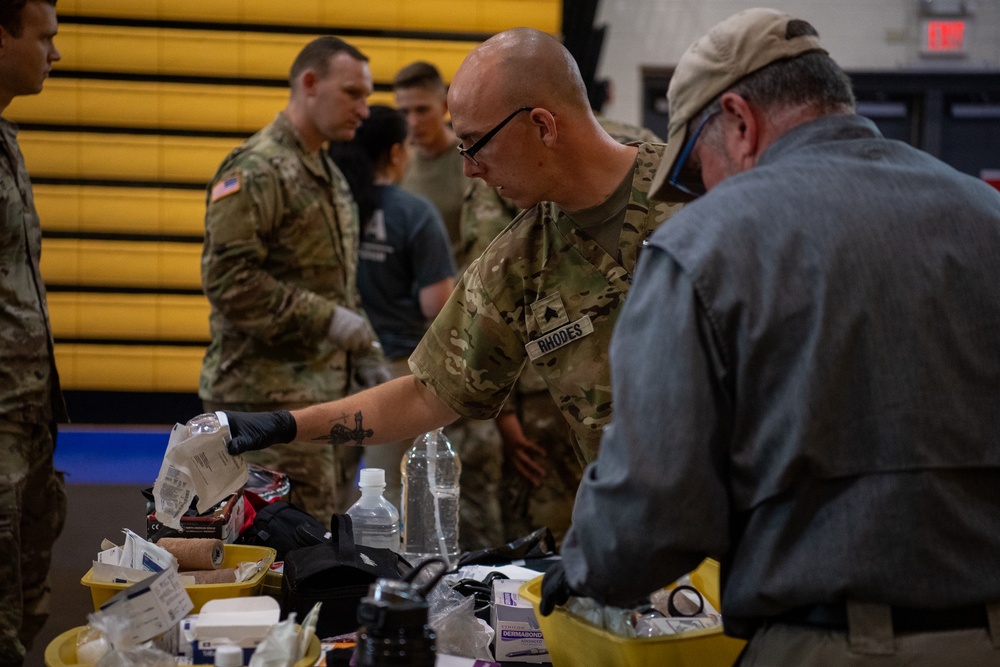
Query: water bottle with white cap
(375, 519)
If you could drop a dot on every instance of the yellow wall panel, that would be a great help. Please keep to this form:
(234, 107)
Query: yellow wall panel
(153, 265)
(104, 367)
(123, 156)
(384, 14)
(269, 55)
(182, 317)
(164, 317)
(497, 15)
(128, 368)
(299, 12)
(119, 316)
(450, 15)
(160, 50)
(172, 106)
(177, 368)
(221, 53)
(111, 8)
(96, 209)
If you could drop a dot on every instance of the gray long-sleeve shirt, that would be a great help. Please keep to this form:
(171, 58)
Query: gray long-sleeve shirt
(806, 385)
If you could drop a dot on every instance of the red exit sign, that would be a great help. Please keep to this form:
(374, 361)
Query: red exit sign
(944, 37)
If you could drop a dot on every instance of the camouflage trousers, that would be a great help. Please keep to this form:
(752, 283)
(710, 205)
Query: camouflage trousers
(32, 514)
(480, 450)
(321, 475)
(526, 508)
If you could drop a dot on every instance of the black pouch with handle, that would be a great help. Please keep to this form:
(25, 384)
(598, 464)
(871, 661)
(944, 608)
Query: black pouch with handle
(284, 527)
(338, 574)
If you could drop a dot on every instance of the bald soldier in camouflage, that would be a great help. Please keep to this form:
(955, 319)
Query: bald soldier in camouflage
(279, 263)
(32, 497)
(547, 292)
(540, 469)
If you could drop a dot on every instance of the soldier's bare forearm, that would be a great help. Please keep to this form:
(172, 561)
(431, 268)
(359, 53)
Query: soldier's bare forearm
(396, 410)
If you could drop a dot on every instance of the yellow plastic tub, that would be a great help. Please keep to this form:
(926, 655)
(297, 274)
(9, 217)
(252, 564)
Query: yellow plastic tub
(102, 591)
(571, 641)
(61, 651)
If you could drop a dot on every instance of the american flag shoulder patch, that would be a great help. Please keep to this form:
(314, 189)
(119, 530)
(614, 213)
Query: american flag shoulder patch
(225, 187)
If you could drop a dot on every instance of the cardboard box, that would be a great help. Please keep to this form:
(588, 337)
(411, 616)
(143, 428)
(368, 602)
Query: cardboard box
(453, 661)
(222, 523)
(240, 621)
(518, 635)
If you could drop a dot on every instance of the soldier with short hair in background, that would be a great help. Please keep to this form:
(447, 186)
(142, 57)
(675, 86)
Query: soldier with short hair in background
(32, 496)
(278, 266)
(435, 170)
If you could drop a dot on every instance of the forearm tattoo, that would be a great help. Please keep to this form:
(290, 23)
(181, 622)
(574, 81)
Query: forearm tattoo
(340, 434)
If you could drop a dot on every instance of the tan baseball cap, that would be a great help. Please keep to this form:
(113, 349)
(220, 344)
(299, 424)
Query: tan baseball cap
(734, 48)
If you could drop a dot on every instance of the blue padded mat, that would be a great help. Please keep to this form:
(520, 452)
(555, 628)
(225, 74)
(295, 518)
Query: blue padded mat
(111, 455)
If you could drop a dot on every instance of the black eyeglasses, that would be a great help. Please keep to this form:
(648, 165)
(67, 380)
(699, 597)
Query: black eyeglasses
(470, 152)
(685, 177)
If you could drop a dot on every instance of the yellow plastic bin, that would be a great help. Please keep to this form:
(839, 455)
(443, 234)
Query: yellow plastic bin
(61, 651)
(102, 591)
(272, 585)
(571, 641)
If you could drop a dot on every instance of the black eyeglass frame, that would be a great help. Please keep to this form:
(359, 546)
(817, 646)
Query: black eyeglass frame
(470, 152)
(682, 170)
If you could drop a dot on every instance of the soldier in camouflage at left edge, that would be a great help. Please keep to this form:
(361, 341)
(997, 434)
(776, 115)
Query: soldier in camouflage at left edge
(279, 263)
(32, 497)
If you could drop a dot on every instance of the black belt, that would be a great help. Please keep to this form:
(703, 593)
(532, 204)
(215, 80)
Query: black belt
(904, 619)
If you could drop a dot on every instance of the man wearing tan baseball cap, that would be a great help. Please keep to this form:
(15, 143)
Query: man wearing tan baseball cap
(732, 50)
(805, 375)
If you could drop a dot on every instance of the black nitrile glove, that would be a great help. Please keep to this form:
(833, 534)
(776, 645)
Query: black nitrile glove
(251, 431)
(555, 589)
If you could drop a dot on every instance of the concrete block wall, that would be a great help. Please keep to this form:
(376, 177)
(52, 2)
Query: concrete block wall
(865, 35)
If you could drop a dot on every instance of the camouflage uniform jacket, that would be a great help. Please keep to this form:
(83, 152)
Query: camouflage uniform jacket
(281, 247)
(541, 292)
(29, 384)
(485, 213)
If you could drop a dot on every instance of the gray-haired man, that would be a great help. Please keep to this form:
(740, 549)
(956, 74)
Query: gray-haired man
(805, 376)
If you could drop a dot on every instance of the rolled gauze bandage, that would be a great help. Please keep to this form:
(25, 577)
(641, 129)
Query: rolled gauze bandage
(194, 553)
(224, 576)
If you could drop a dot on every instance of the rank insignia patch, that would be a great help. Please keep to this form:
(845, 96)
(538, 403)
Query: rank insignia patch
(550, 313)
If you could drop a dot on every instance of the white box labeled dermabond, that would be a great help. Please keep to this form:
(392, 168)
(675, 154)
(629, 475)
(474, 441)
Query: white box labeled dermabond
(518, 635)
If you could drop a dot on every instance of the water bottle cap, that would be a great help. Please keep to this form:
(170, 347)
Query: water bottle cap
(372, 477)
(204, 423)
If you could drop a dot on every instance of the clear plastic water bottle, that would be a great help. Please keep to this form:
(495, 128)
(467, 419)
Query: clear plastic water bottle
(204, 423)
(430, 473)
(375, 520)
